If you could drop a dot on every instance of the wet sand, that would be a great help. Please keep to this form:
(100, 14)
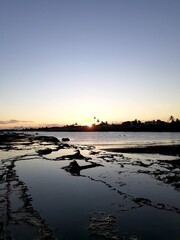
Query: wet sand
(39, 175)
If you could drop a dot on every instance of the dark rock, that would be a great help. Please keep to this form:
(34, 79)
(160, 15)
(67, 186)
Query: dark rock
(65, 139)
(172, 163)
(77, 155)
(172, 179)
(142, 201)
(49, 139)
(143, 171)
(75, 169)
(44, 151)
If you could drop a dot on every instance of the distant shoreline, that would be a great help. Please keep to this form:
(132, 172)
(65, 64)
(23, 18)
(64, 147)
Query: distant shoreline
(85, 130)
(128, 126)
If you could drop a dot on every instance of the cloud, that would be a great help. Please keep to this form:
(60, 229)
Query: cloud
(13, 121)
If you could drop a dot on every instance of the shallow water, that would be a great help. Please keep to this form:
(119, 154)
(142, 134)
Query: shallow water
(104, 199)
(66, 201)
(118, 139)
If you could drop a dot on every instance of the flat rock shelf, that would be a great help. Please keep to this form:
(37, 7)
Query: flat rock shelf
(52, 189)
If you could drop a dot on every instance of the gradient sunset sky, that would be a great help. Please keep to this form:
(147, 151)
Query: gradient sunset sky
(63, 62)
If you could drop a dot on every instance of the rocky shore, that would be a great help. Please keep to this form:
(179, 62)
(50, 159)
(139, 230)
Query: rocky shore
(109, 167)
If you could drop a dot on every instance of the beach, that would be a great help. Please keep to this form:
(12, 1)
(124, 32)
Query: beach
(52, 188)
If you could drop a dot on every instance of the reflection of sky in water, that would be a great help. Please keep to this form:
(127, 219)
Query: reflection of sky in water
(22, 229)
(127, 180)
(146, 222)
(14, 153)
(118, 138)
(60, 153)
(64, 200)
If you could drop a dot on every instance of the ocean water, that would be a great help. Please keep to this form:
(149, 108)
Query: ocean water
(118, 139)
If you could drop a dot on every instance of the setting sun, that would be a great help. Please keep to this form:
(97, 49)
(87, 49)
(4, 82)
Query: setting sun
(88, 124)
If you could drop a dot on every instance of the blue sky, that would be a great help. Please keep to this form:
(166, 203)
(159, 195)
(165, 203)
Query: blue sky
(68, 61)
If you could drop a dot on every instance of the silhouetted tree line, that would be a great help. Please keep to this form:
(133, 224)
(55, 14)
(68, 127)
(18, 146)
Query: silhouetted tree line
(171, 125)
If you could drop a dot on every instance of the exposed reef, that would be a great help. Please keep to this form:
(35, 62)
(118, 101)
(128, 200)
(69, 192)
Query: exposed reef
(103, 226)
(113, 170)
(12, 189)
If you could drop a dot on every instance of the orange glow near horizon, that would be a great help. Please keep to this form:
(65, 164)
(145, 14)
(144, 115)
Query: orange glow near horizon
(88, 124)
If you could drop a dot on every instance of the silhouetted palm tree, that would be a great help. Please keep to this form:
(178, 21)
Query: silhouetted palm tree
(171, 119)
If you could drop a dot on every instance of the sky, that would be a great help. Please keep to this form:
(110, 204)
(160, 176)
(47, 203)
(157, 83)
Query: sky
(66, 61)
